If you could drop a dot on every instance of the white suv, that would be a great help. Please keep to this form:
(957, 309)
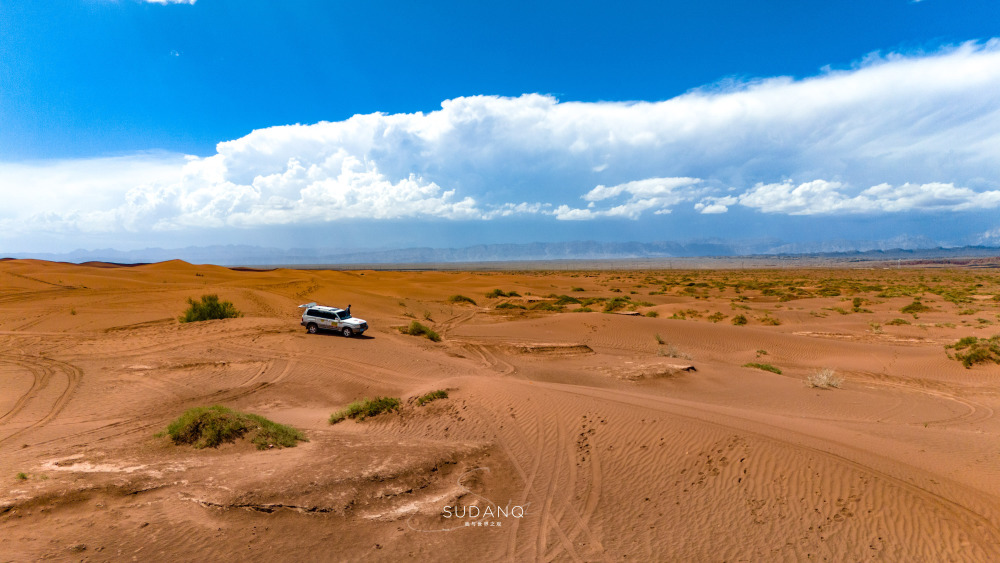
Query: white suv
(319, 317)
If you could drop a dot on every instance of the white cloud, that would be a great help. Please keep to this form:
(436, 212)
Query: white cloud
(164, 2)
(658, 195)
(922, 131)
(820, 197)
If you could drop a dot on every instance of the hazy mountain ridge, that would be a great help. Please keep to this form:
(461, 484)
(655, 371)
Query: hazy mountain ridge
(234, 255)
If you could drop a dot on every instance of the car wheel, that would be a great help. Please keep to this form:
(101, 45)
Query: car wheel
(312, 328)
(347, 332)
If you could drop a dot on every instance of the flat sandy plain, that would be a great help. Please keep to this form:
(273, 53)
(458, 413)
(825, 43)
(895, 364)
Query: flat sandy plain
(582, 419)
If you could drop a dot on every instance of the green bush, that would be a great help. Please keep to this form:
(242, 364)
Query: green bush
(898, 321)
(432, 396)
(652, 314)
(915, 307)
(211, 426)
(739, 320)
(565, 299)
(507, 305)
(546, 306)
(500, 293)
(616, 304)
(417, 329)
(716, 317)
(765, 367)
(365, 408)
(972, 350)
(209, 308)
(460, 299)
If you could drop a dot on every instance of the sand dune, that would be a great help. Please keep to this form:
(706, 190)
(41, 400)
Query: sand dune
(587, 436)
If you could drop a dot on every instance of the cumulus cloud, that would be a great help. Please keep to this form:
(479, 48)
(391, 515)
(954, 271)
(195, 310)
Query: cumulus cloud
(922, 131)
(821, 197)
(652, 194)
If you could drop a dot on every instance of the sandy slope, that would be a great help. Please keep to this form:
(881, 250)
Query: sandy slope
(612, 450)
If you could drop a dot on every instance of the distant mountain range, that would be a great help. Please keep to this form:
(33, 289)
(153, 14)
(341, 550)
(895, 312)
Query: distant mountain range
(244, 255)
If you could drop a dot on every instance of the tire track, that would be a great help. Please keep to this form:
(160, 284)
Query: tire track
(48, 368)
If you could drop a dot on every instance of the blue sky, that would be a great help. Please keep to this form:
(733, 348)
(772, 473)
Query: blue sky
(371, 124)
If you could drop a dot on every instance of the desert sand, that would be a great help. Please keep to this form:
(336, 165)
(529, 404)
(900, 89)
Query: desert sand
(602, 436)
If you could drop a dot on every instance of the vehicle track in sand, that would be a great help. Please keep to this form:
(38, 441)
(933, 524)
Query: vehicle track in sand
(46, 372)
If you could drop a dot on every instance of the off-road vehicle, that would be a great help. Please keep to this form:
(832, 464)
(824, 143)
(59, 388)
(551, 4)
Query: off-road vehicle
(320, 317)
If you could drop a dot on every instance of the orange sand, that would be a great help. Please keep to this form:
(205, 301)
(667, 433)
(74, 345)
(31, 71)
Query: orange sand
(612, 450)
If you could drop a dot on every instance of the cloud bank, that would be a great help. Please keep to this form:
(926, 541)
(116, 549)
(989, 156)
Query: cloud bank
(893, 134)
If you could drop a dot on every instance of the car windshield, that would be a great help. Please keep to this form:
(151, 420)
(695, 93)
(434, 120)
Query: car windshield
(344, 315)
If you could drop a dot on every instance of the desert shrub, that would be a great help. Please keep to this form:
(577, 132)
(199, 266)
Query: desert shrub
(460, 299)
(616, 304)
(739, 320)
(828, 292)
(671, 351)
(824, 379)
(765, 367)
(659, 339)
(898, 321)
(507, 305)
(857, 303)
(716, 317)
(365, 408)
(770, 321)
(208, 427)
(417, 329)
(972, 350)
(209, 308)
(546, 306)
(582, 310)
(565, 299)
(432, 396)
(652, 314)
(968, 312)
(915, 307)
(501, 293)
(72, 311)
(577, 289)
(21, 476)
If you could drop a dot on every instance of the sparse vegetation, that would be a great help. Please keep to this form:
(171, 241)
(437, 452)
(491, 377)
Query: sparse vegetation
(365, 408)
(739, 320)
(500, 293)
(716, 317)
(897, 321)
(417, 329)
(72, 311)
(432, 396)
(208, 427)
(770, 321)
(824, 379)
(659, 339)
(508, 305)
(765, 367)
(916, 307)
(616, 304)
(972, 350)
(21, 476)
(460, 299)
(209, 308)
(652, 314)
(671, 351)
